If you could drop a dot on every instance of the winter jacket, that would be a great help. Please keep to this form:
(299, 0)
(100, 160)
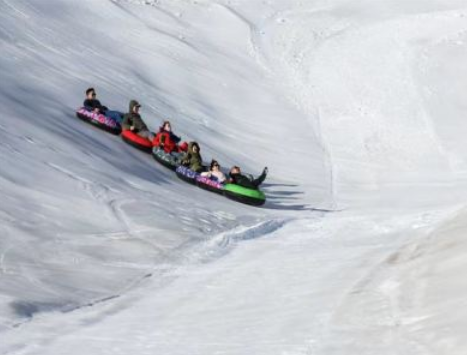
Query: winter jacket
(168, 140)
(92, 104)
(133, 119)
(215, 175)
(242, 180)
(193, 160)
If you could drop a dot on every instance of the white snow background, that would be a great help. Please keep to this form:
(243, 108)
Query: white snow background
(358, 108)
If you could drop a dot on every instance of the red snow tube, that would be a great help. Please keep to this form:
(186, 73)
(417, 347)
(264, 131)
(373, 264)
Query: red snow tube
(137, 141)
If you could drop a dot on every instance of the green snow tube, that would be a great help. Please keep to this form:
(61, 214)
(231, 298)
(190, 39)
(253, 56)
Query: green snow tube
(244, 195)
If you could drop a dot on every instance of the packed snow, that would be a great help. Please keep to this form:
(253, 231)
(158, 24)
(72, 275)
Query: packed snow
(356, 107)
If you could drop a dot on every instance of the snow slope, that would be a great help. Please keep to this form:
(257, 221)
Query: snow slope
(355, 107)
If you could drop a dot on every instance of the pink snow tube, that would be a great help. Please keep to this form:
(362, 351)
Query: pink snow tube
(208, 184)
(99, 120)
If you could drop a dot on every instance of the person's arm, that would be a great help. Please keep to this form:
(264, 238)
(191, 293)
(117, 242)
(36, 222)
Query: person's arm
(97, 104)
(93, 105)
(127, 122)
(162, 139)
(88, 104)
(175, 138)
(221, 177)
(233, 179)
(142, 125)
(185, 160)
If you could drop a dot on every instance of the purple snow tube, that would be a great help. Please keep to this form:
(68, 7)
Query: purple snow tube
(186, 174)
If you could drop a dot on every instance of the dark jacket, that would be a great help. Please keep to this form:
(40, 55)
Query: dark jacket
(92, 104)
(133, 119)
(245, 181)
(193, 160)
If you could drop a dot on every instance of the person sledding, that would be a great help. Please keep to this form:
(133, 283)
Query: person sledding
(94, 105)
(168, 141)
(236, 177)
(132, 121)
(214, 172)
(192, 158)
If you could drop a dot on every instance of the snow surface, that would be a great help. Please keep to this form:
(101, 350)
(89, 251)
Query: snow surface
(357, 108)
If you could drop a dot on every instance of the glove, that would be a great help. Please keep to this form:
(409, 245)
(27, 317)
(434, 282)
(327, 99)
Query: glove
(265, 171)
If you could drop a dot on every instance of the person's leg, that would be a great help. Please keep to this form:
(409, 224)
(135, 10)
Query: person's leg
(259, 180)
(176, 155)
(115, 115)
(146, 134)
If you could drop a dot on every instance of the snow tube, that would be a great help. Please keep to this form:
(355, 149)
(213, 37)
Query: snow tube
(244, 195)
(187, 174)
(99, 120)
(137, 141)
(208, 184)
(169, 160)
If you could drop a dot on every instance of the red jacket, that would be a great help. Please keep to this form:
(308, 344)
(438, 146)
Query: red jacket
(164, 138)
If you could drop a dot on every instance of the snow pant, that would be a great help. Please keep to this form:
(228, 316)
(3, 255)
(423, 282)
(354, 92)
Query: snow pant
(259, 180)
(115, 115)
